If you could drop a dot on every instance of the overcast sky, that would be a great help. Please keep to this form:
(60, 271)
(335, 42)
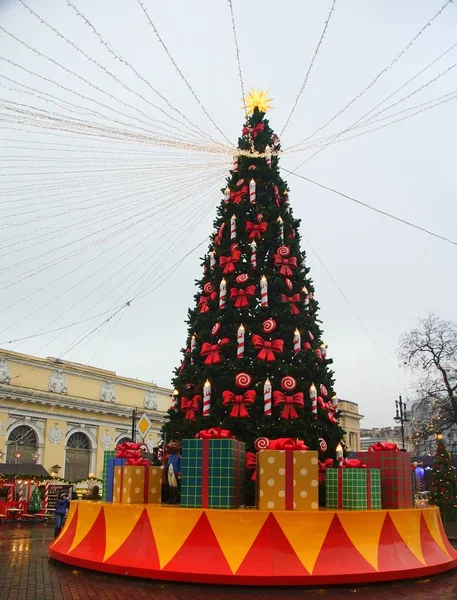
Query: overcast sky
(373, 276)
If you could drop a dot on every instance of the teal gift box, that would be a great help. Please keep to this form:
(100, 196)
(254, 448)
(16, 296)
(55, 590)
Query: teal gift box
(353, 489)
(212, 473)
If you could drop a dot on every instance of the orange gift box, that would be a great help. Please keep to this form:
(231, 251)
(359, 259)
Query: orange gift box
(137, 485)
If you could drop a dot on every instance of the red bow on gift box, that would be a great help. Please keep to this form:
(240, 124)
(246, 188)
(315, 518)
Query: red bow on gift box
(203, 301)
(381, 446)
(292, 300)
(212, 351)
(290, 402)
(190, 406)
(254, 131)
(228, 262)
(287, 444)
(323, 466)
(251, 464)
(256, 230)
(285, 264)
(239, 401)
(267, 349)
(214, 433)
(242, 296)
(353, 463)
(238, 195)
(132, 452)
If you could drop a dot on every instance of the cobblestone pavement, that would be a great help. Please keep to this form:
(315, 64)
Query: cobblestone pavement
(26, 573)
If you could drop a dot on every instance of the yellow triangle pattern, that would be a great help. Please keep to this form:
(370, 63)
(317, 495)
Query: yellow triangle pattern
(120, 520)
(306, 532)
(170, 527)
(236, 536)
(70, 517)
(432, 521)
(364, 531)
(87, 514)
(408, 525)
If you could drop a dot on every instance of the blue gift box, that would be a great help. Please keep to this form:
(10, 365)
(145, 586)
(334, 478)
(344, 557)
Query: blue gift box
(112, 462)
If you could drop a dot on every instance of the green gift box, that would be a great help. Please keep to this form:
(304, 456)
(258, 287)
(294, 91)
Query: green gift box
(212, 473)
(353, 489)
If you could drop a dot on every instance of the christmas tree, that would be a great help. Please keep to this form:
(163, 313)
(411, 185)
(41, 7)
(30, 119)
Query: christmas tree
(254, 361)
(35, 501)
(443, 484)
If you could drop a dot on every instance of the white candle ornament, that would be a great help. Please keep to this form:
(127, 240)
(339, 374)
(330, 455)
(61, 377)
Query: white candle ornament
(235, 164)
(323, 350)
(268, 155)
(222, 293)
(281, 229)
(313, 396)
(339, 455)
(174, 400)
(263, 291)
(233, 227)
(206, 398)
(193, 345)
(212, 260)
(227, 194)
(297, 341)
(240, 342)
(252, 194)
(267, 397)
(253, 255)
(335, 402)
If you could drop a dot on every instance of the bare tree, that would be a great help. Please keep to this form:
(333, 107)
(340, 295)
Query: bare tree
(430, 353)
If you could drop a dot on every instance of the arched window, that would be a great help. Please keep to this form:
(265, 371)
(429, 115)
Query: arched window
(78, 440)
(21, 439)
(123, 440)
(77, 456)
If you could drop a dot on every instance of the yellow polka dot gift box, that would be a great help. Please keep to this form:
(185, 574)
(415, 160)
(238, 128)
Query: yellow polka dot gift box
(287, 475)
(137, 485)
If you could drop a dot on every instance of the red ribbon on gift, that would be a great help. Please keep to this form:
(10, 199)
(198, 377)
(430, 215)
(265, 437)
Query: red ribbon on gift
(292, 300)
(254, 131)
(228, 262)
(383, 446)
(287, 444)
(323, 466)
(256, 230)
(290, 402)
(353, 463)
(212, 351)
(190, 407)
(285, 264)
(267, 348)
(238, 195)
(132, 452)
(204, 300)
(215, 433)
(239, 401)
(251, 464)
(340, 488)
(241, 296)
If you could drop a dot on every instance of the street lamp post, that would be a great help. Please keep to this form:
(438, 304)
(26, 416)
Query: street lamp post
(401, 417)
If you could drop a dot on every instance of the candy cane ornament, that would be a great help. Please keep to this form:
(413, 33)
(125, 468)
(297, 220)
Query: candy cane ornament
(267, 397)
(206, 398)
(193, 346)
(252, 191)
(233, 227)
(240, 342)
(313, 397)
(263, 291)
(235, 164)
(222, 293)
(253, 255)
(297, 341)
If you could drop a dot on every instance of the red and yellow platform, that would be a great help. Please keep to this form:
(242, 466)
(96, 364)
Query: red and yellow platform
(254, 547)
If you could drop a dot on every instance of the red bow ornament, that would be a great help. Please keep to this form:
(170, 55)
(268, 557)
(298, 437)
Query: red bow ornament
(203, 301)
(331, 418)
(132, 452)
(254, 131)
(241, 296)
(267, 348)
(215, 433)
(190, 407)
(238, 402)
(228, 262)
(218, 237)
(290, 402)
(256, 230)
(353, 463)
(212, 351)
(287, 444)
(238, 195)
(285, 264)
(382, 446)
(292, 300)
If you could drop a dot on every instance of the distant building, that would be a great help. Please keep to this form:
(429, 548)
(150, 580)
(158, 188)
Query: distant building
(64, 414)
(350, 422)
(383, 434)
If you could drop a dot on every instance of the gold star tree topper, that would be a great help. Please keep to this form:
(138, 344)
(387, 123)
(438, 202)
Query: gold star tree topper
(259, 99)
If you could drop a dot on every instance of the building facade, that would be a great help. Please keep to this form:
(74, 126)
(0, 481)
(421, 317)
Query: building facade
(384, 434)
(350, 422)
(64, 415)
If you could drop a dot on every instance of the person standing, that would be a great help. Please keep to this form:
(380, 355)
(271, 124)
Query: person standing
(61, 512)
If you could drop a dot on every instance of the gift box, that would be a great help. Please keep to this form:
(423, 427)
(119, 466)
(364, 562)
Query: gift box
(212, 471)
(133, 484)
(287, 479)
(109, 479)
(353, 489)
(396, 481)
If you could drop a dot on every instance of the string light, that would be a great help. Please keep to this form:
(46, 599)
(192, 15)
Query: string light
(237, 54)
